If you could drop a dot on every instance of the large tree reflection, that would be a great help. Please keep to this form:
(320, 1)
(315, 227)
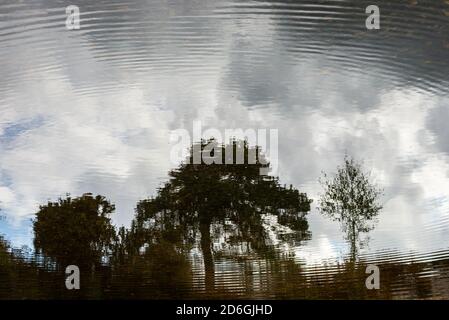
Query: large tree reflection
(351, 199)
(220, 208)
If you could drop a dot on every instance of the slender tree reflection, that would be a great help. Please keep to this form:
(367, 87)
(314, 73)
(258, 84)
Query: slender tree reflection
(351, 199)
(233, 199)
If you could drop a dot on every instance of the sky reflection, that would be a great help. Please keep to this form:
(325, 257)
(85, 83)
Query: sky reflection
(92, 110)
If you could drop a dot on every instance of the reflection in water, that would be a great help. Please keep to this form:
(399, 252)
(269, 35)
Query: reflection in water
(230, 202)
(162, 273)
(351, 199)
(92, 110)
(75, 231)
(232, 216)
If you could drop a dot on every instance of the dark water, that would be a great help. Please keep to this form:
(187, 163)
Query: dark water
(91, 110)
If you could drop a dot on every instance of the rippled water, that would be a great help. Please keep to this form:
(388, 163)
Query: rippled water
(91, 110)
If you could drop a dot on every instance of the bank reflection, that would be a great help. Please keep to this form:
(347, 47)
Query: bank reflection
(161, 274)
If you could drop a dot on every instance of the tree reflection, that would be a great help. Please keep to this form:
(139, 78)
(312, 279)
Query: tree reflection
(228, 212)
(232, 203)
(75, 230)
(351, 199)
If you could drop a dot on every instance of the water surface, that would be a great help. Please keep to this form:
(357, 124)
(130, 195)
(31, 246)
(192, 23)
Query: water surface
(91, 110)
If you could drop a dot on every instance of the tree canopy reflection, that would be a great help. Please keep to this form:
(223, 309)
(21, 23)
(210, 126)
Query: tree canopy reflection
(232, 202)
(75, 230)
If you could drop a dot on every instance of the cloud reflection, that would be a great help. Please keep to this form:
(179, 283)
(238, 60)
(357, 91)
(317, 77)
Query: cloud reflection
(91, 111)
